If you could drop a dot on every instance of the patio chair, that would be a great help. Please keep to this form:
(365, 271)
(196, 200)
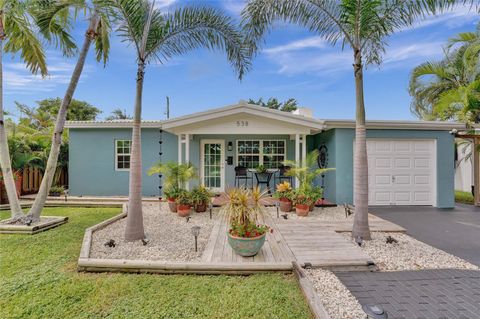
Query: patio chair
(282, 175)
(241, 174)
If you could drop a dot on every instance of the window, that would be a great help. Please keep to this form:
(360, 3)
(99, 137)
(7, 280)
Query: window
(122, 154)
(269, 153)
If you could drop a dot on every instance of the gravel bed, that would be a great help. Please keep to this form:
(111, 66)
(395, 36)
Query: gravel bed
(336, 298)
(408, 254)
(319, 213)
(169, 237)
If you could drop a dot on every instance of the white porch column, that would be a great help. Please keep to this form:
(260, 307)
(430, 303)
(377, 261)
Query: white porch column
(297, 155)
(304, 149)
(476, 170)
(187, 154)
(179, 148)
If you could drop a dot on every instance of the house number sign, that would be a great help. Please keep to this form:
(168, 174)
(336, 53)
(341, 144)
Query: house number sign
(242, 123)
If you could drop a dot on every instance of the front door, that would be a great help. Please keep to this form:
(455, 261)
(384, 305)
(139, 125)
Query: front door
(213, 164)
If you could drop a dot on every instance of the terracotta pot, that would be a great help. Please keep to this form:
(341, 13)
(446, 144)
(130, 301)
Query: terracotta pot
(201, 208)
(285, 205)
(302, 209)
(312, 206)
(172, 204)
(183, 210)
(246, 246)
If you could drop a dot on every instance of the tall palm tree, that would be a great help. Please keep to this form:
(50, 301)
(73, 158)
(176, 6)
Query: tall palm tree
(361, 25)
(18, 33)
(158, 36)
(97, 32)
(449, 89)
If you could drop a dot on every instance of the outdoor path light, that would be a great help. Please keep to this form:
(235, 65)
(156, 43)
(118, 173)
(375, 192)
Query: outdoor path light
(195, 233)
(277, 204)
(375, 311)
(210, 206)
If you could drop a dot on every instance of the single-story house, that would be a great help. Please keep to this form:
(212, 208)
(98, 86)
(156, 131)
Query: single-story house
(410, 162)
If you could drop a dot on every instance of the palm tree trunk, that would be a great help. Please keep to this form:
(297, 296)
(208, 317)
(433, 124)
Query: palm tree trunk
(51, 167)
(360, 165)
(134, 229)
(5, 163)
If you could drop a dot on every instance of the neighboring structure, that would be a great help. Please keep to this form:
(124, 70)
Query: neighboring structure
(464, 168)
(410, 163)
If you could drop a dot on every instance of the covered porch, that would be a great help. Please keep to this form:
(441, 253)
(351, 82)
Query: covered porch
(242, 135)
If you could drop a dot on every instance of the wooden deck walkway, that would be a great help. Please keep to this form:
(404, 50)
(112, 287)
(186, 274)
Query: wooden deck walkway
(303, 241)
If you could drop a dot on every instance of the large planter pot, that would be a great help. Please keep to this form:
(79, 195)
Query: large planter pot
(285, 205)
(172, 205)
(302, 209)
(246, 247)
(183, 210)
(201, 208)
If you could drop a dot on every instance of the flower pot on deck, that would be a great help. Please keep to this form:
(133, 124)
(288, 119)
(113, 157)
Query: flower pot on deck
(183, 210)
(246, 247)
(201, 208)
(302, 209)
(285, 205)
(172, 205)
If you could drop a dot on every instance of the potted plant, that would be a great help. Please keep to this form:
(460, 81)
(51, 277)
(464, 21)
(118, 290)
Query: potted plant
(284, 195)
(201, 196)
(171, 194)
(242, 207)
(302, 202)
(184, 203)
(57, 191)
(314, 193)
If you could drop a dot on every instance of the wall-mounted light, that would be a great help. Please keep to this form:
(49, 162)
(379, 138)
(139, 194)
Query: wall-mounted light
(230, 146)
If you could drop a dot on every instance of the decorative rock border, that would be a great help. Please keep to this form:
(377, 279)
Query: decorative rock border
(53, 221)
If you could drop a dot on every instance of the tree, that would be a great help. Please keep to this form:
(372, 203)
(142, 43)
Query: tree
(289, 105)
(118, 114)
(449, 89)
(18, 34)
(97, 32)
(361, 25)
(77, 110)
(158, 36)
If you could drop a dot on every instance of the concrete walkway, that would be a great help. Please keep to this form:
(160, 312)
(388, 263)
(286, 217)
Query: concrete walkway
(456, 231)
(423, 294)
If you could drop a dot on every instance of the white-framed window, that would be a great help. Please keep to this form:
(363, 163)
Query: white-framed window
(269, 153)
(122, 154)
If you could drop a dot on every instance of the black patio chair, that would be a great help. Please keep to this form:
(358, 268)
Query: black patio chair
(282, 175)
(241, 174)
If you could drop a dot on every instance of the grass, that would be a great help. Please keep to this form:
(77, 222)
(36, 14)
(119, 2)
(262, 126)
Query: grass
(464, 197)
(39, 280)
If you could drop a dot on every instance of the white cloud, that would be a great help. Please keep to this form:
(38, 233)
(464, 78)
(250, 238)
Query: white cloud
(312, 42)
(234, 6)
(162, 4)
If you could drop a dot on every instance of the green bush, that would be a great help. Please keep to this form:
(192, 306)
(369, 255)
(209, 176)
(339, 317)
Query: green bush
(464, 197)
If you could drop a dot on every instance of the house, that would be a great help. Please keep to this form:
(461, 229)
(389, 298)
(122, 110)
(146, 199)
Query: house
(410, 162)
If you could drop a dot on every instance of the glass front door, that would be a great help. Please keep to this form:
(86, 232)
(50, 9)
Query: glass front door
(213, 164)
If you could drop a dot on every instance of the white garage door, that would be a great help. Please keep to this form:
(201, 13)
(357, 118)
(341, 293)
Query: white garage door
(402, 172)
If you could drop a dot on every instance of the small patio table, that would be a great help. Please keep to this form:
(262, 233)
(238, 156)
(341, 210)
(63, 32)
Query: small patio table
(264, 178)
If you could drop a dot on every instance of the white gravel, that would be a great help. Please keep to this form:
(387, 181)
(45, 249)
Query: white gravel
(170, 237)
(337, 300)
(408, 254)
(318, 213)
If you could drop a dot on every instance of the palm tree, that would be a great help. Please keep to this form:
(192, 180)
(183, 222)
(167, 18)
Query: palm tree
(449, 89)
(97, 32)
(361, 25)
(158, 36)
(118, 114)
(18, 34)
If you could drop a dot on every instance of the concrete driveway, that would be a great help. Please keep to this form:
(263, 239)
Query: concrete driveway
(456, 231)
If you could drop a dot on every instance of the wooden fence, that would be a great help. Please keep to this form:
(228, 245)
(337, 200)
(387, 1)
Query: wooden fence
(32, 177)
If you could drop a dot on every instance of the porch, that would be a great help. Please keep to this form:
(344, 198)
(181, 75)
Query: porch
(243, 135)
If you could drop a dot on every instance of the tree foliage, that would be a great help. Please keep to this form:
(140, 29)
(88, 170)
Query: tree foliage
(48, 109)
(118, 114)
(273, 103)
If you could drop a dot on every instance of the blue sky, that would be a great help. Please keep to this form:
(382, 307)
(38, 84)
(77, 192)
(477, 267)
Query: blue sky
(293, 63)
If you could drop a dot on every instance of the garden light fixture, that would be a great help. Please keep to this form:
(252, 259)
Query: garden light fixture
(375, 311)
(277, 204)
(195, 233)
(210, 206)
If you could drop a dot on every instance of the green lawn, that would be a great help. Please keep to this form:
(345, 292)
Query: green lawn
(38, 279)
(464, 197)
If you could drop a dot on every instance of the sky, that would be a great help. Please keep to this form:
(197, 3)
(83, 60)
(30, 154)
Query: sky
(292, 63)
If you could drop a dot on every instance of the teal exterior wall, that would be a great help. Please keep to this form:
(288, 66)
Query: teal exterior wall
(92, 161)
(339, 183)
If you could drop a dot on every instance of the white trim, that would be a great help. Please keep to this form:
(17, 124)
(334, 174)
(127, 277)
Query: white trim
(122, 154)
(180, 149)
(187, 154)
(397, 125)
(304, 149)
(297, 155)
(261, 154)
(111, 124)
(222, 162)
